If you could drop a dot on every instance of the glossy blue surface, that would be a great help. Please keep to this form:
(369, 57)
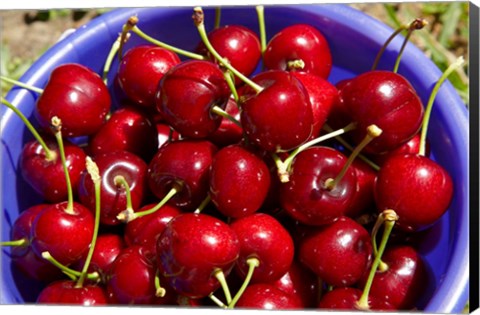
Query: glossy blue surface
(355, 39)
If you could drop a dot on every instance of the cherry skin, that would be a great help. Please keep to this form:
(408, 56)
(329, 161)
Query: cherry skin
(131, 277)
(76, 95)
(417, 188)
(339, 253)
(263, 237)
(239, 181)
(184, 163)
(286, 122)
(191, 249)
(165, 134)
(23, 257)
(237, 44)
(145, 230)
(345, 298)
(322, 95)
(140, 70)
(305, 196)
(47, 176)
(122, 132)
(228, 132)
(112, 195)
(266, 296)
(65, 235)
(299, 42)
(387, 100)
(412, 146)
(363, 198)
(66, 292)
(186, 95)
(405, 279)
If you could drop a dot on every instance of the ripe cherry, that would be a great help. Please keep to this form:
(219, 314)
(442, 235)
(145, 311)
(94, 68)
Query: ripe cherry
(228, 132)
(345, 298)
(66, 292)
(268, 297)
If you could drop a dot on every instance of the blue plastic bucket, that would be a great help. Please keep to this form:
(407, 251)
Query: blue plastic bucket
(355, 39)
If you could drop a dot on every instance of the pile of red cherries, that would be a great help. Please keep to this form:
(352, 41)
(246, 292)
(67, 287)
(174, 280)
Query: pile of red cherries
(207, 183)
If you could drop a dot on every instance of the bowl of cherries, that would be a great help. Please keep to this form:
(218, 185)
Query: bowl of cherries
(303, 157)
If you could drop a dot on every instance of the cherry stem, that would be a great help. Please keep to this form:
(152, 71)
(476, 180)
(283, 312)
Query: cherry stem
(119, 180)
(297, 64)
(198, 19)
(416, 24)
(159, 290)
(94, 173)
(428, 109)
(229, 77)
(73, 274)
(390, 217)
(57, 127)
(387, 42)
(349, 147)
(113, 51)
(219, 111)
(21, 84)
(217, 301)
(218, 17)
(372, 132)
(19, 242)
(129, 215)
(49, 154)
(218, 273)
(204, 203)
(252, 264)
(285, 166)
(261, 24)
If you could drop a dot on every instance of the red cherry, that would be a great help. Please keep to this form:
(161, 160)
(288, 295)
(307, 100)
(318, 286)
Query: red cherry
(122, 132)
(228, 132)
(191, 249)
(76, 95)
(113, 195)
(186, 95)
(165, 134)
(299, 42)
(237, 44)
(286, 122)
(263, 237)
(363, 198)
(47, 176)
(268, 297)
(387, 100)
(417, 188)
(66, 292)
(345, 298)
(140, 70)
(339, 253)
(239, 181)
(412, 146)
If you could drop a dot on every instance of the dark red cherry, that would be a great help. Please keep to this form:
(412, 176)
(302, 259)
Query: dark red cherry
(76, 95)
(239, 181)
(186, 164)
(186, 95)
(228, 132)
(132, 277)
(306, 197)
(237, 44)
(286, 122)
(263, 237)
(122, 132)
(405, 280)
(322, 95)
(410, 147)
(268, 297)
(346, 298)
(66, 292)
(417, 188)
(140, 70)
(47, 177)
(191, 249)
(113, 195)
(363, 198)
(339, 253)
(299, 42)
(65, 234)
(389, 101)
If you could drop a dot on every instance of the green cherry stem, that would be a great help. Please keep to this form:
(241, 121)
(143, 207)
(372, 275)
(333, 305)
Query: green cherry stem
(57, 127)
(416, 24)
(252, 264)
(94, 173)
(372, 132)
(220, 276)
(50, 155)
(390, 217)
(21, 84)
(261, 24)
(119, 180)
(217, 110)
(20, 242)
(216, 300)
(198, 19)
(73, 274)
(111, 55)
(204, 203)
(218, 17)
(428, 109)
(229, 77)
(159, 290)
